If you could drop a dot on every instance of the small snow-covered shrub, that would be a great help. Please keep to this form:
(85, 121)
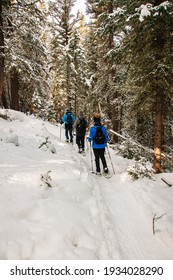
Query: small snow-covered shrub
(46, 179)
(47, 146)
(12, 138)
(128, 150)
(142, 168)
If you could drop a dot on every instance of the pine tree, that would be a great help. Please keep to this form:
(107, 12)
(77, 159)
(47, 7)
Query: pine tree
(107, 29)
(24, 54)
(61, 29)
(148, 46)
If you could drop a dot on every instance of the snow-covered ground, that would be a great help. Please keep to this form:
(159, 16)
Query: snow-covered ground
(52, 207)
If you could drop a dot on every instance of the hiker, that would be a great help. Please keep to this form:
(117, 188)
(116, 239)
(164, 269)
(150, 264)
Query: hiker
(80, 125)
(68, 119)
(99, 138)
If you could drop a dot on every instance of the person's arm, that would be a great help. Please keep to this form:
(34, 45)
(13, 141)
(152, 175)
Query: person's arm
(105, 134)
(64, 119)
(91, 135)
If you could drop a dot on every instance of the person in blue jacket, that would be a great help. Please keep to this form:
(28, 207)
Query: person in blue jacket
(68, 119)
(99, 148)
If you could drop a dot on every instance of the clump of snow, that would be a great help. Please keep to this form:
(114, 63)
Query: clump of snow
(144, 11)
(52, 207)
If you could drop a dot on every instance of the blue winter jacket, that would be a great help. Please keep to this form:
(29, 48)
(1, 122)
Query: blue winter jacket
(64, 118)
(92, 135)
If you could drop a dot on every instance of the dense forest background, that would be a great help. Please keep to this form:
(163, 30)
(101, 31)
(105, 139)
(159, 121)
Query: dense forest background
(118, 63)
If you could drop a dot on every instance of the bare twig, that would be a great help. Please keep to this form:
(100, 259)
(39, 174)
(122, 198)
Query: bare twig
(46, 178)
(154, 220)
(44, 143)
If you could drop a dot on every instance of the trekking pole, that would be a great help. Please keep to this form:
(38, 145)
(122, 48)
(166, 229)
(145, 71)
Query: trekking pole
(110, 160)
(86, 138)
(60, 130)
(92, 170)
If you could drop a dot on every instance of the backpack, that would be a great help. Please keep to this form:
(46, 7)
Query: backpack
(99, 136)
(81, 127)
(69, 119)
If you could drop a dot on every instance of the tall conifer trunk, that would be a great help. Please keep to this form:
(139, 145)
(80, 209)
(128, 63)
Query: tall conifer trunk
(14, 91)
(159, 101)
(158, 132)
(1, 56)
(114, 108)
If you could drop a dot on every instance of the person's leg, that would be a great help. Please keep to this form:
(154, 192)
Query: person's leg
(102, 156)
(83, 142)
(78, 141)
(96, 154)
(71, 134)
(66, 133)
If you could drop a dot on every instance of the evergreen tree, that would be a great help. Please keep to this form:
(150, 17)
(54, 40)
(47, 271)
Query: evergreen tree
(106, 22)
(148, 46)
(24, 54)
(61, 26)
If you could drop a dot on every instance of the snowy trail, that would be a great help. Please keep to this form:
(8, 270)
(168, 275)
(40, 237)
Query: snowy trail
(80, 216)
(111, 241)
(110, 245)
(122, 239)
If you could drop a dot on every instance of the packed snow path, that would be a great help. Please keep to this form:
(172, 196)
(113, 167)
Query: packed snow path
(122, 209)
(52, 207)
(109, 245)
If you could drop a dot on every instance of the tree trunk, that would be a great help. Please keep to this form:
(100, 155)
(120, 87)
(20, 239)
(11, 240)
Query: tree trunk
(158, 133)
(114, 110)
(15, 91)
(1, 56)
(115, 120)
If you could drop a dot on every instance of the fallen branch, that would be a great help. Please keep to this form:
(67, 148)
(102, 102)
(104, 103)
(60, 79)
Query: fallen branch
(166, 182)
(151, 151)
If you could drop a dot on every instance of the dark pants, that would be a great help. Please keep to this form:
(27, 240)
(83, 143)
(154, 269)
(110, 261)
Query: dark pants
(80, 141)
(100, 154)
(68, 132)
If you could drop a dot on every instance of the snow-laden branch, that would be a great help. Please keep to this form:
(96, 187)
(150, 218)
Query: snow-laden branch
(151, 151)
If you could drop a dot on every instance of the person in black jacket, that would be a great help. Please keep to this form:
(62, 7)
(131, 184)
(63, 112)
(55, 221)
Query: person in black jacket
(80, 125)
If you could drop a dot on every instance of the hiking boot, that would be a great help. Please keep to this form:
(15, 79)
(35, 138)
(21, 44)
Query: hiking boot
(106, 170)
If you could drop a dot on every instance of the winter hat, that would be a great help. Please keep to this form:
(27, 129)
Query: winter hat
(97, 118)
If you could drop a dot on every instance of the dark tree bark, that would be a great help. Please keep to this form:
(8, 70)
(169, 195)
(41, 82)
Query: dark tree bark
(114, 110)
(1, 56)
(158, 133)
(14, 91)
